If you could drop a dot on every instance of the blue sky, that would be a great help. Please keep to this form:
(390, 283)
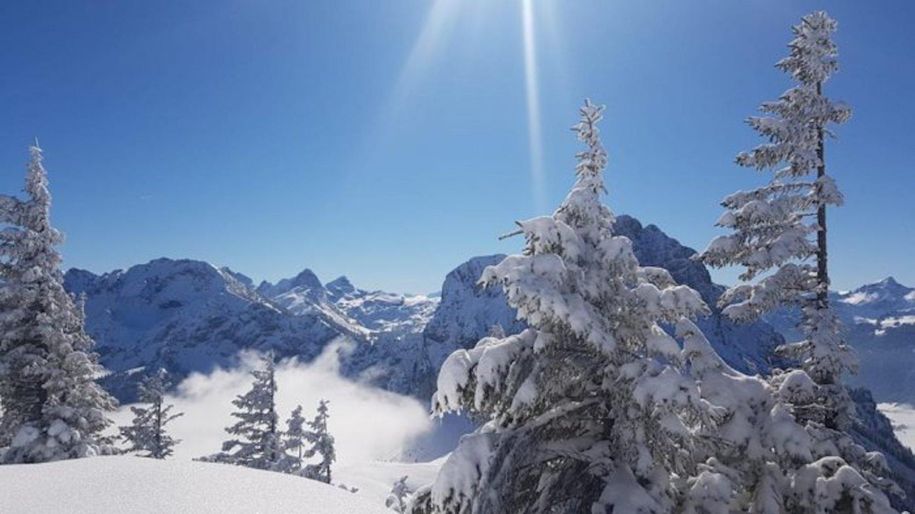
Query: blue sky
(389, 140)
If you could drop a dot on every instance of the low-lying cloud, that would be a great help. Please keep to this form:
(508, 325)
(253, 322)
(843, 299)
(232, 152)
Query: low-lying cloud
(368, 423)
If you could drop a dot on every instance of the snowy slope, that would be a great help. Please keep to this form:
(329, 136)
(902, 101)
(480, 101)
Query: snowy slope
(374, 479)
(880, 320)
(131, 484)
(875, 430)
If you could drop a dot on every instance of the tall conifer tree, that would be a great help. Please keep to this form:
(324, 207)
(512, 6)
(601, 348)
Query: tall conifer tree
(52, 407)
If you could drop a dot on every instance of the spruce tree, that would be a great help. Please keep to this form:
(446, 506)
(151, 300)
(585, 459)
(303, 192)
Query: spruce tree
(147, 432)
(322, 445)
(257, 443)
(52, 407)
(779, 233)
(586, 410)
(757, 458)
(294, 438)
(779, 230)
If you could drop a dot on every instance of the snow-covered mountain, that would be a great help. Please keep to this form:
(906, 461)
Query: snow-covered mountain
(191, 316)
(467, 312)
(369, 312)
(389, 354)
(880, 323)
(188, 316)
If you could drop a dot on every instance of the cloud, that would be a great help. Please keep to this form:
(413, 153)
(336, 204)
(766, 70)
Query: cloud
(367, 423)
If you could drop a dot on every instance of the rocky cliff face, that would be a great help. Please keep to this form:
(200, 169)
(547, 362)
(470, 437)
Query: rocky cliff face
(747, 347)
(467, 311)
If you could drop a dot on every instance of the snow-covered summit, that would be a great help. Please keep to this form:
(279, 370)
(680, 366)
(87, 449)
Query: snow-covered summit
(306, 282)
(883, 296)
(340, 287)
(370, 313)
(467, 311)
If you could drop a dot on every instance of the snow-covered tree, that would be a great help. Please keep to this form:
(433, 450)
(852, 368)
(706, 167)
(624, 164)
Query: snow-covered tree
(295, 437)
(759, 458)
(397, 499)
(257, 443)
(779, 239)
(147, 432)
(52, 407)
(322, 445)
(587, 410)
(779, 230)
(496, 331)
(597, 408)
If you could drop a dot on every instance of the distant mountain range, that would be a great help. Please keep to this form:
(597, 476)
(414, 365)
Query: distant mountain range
(189, 316)
(880, 322)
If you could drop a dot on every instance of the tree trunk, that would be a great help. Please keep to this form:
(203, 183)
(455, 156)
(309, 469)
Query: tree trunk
(158, 450)
(822, 270)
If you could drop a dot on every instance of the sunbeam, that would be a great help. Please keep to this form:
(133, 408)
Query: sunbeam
(436, 28)
(534, 132)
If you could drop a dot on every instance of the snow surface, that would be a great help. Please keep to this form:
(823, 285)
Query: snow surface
(375, 479)
(132, 484)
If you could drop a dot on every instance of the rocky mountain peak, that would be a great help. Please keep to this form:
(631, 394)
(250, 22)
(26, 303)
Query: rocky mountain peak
(306, 282)
(340, 287)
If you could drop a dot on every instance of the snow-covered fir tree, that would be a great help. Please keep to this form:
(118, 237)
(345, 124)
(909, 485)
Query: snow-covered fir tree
(779, 230)
(147, 433)
(397, 499)
(295, 437)
(755, 457)
(496, 331)
(779, 238)
(585, 410)
(52, 407)
(322, 446)
(257, 443)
